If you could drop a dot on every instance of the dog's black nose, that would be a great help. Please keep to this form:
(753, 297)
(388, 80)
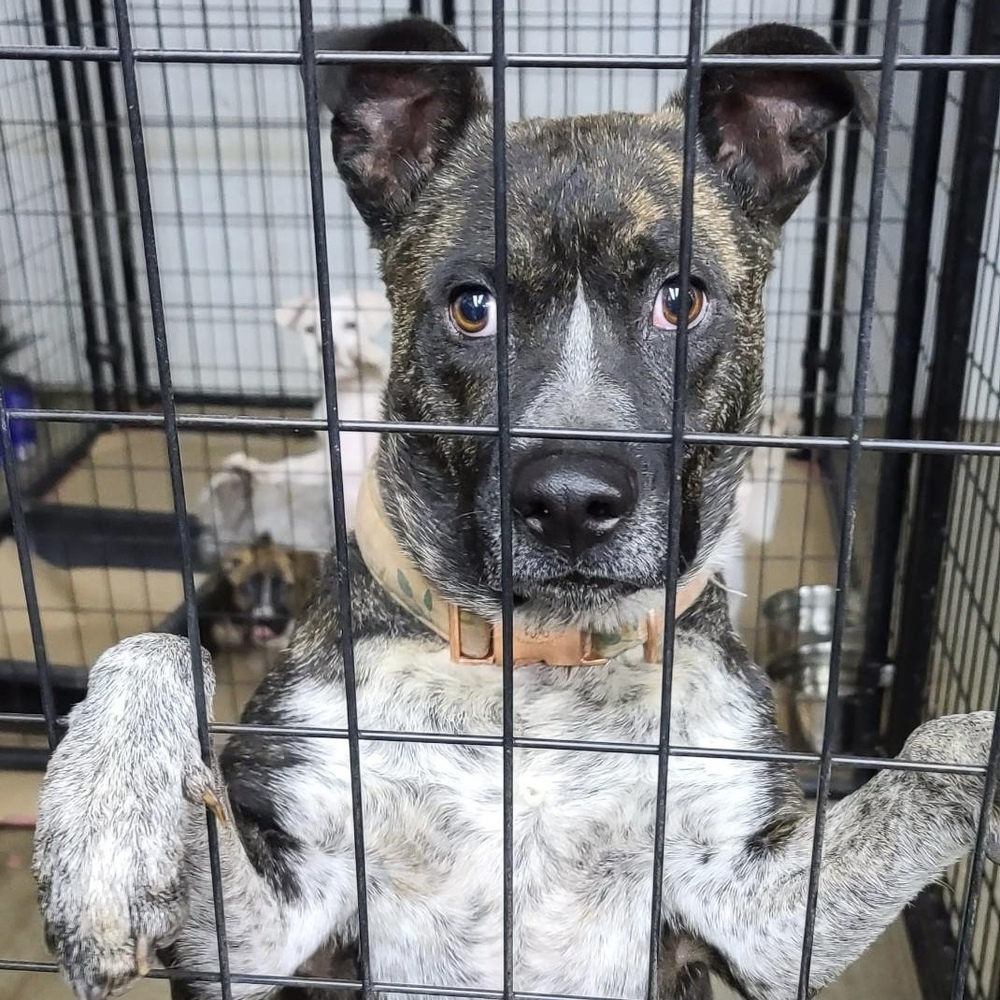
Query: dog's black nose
(571, 502)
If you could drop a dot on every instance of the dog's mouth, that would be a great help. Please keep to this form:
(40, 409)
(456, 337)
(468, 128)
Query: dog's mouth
(261, 632)
(585, 581)
(575, 590)
(593, 582)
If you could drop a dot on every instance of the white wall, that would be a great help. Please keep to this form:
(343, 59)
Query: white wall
(232, 204)
(227, 160)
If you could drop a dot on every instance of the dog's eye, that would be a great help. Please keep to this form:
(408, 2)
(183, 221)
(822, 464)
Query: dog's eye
(473, 311)
(667, 307)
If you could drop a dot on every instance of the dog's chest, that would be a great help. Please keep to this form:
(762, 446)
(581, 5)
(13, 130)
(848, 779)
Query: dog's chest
(582, 830)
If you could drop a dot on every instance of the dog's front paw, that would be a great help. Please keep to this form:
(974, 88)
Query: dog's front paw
(963, 740)
(121, 801)
(952, 739)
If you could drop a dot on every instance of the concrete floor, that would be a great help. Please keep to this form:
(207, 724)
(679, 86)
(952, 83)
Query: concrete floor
(86, 614)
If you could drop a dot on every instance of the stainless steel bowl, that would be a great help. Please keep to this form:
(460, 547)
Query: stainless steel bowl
(802, 681)
(803, 616)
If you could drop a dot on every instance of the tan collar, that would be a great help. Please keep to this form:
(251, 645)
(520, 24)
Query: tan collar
(473, 639)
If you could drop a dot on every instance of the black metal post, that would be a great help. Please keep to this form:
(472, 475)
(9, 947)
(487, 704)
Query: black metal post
(849, 508)
(812, 354)
(74, 199)
(971, 180)
(932, 942)
(109, 353)
(112, 130)
(448, 13)
(894, 469)
(833, 355)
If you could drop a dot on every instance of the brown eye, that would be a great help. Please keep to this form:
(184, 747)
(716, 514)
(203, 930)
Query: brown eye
(473, 311)
(667, 307)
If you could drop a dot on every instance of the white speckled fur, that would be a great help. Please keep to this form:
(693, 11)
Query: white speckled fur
(583, 826)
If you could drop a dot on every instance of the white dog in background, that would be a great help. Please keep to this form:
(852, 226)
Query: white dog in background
(292, 499)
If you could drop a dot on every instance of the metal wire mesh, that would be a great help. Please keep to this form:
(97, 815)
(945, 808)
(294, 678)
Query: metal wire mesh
(963, 665)
(232, 208)
(45, 301)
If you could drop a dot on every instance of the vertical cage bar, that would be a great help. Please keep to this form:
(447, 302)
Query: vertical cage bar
(499, 79)
(315, 161)
(959, 288)
(692, 91)
(946, 384)
(123, 216)
(858, 401)
(832, 354)
(111, 352)
(130, 85)
(22, 543)
(911, 301)
(74, 200)
(812, 359)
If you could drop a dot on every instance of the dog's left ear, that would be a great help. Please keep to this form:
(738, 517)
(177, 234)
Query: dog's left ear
(767, 128)
(394, 124)
(229, 563)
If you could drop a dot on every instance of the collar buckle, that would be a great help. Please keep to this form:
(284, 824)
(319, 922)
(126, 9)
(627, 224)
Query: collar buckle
(566, 648)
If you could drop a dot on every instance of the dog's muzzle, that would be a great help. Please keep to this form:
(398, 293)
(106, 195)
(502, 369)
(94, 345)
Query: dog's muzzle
(572, 500)
(473, 639)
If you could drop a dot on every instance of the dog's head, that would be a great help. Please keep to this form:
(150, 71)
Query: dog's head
(261, 581)
(593, 224)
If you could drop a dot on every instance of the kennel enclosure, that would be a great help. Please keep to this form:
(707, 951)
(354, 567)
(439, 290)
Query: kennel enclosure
(189, 128)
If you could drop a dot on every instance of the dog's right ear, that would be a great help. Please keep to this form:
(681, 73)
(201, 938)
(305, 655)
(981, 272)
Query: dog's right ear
(393, 124)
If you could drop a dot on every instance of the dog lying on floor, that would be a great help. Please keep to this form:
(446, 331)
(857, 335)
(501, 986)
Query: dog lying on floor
(121, 845)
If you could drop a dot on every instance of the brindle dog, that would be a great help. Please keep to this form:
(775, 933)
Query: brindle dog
(593, 205)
